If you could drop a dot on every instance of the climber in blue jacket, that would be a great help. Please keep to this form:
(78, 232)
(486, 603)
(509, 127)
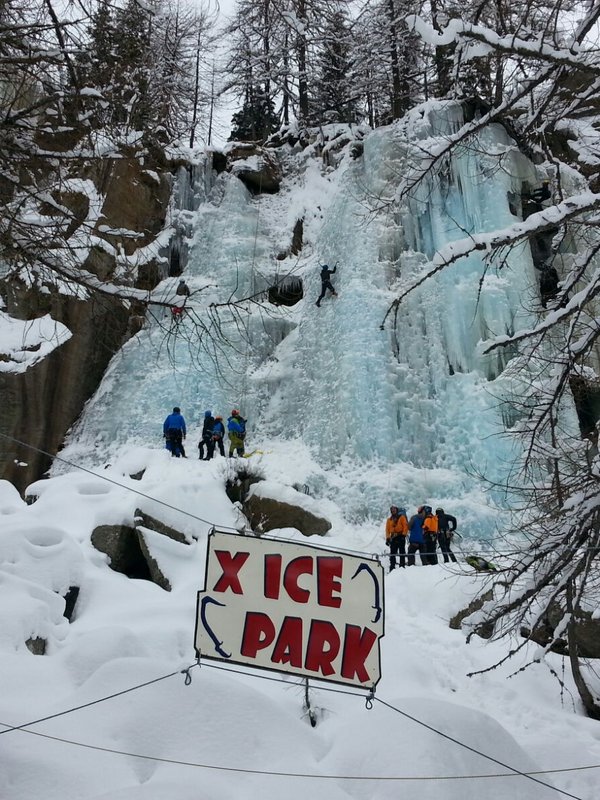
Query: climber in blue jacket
(416, 538)
(174, 432)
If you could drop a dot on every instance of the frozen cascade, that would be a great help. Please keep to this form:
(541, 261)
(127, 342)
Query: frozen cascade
(415, 411)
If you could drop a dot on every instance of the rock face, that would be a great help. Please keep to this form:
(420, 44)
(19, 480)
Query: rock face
(40, 404)
(257, 167)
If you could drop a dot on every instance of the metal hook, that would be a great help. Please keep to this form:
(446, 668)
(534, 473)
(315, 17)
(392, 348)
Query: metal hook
(188, 676)
(369, 699)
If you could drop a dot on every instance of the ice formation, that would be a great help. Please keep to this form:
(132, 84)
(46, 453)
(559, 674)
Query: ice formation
(418, 406)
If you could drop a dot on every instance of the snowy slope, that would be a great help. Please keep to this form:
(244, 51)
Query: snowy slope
(233, 730)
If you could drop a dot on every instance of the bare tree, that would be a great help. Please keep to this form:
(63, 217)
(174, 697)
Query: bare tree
(548, 75)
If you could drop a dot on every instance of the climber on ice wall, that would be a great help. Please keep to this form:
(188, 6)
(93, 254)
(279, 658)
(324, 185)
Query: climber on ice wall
(326, 284)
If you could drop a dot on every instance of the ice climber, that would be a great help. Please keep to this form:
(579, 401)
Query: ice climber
(326, 284)
(549, 283)
(174, 432)
(217, 437)
(416, 540)
(236, 430)
(396, 531)
(183, 289)
(532, 201)
(541, 193)
(430, 535)
(207, 434)
(446, 528)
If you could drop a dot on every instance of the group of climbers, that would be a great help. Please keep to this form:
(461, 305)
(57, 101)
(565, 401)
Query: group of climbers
(423, 531)
(213, 433)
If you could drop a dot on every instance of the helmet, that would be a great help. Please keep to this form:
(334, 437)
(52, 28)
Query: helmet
(439, 511)
(427, 509)
(208, 413)
(402, 510)
(235, 412)
(177, 410)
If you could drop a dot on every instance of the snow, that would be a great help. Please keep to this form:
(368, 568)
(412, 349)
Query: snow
(355, 417)
(26, 342)
(125, 632)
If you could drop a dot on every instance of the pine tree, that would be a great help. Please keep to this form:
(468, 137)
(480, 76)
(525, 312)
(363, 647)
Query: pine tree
(256, 120)
(333, 96)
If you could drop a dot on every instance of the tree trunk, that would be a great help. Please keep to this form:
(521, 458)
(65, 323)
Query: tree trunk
(592, 709)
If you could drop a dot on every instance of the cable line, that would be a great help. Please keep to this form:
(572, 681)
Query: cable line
(95, 702)
(312, 775)
(217, 525)
(514, 773)
(477, 752)
(116, 483)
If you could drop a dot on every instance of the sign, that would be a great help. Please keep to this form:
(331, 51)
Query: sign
(292, 608)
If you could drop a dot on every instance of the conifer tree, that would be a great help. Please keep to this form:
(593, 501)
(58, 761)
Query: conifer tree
(333, 96)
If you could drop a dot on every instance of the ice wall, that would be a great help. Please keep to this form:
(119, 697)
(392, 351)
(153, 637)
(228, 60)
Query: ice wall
(434, 404)
(414, 410)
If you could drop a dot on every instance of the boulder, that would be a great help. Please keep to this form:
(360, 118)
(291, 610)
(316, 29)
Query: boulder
(156, 574)
(36, 645)
(141, 518)
(487, 629)
(270, 506)
(587, 632)
(122, 545)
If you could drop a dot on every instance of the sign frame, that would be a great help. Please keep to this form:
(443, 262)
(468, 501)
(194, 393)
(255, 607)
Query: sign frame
(324, 584)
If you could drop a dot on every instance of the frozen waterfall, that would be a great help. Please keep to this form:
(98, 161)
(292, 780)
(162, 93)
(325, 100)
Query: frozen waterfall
(413, 412)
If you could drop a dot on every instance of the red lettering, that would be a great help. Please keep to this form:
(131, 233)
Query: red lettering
(328, 568)
(303, 565)
(288, 648)
(357, 646)
(272, 576)
(231, 565)
(318, 656)
(259, 632)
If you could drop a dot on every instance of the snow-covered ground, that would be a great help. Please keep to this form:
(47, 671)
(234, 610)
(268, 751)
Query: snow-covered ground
(230, 734)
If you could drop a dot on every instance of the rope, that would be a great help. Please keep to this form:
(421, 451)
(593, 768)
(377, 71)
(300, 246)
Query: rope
(314, 776)
(185, 671)
(244, 392)
(116, 483)
(477, 752)
(397, 778)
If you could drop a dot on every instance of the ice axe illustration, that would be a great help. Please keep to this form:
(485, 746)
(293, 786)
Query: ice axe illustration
(203, 603)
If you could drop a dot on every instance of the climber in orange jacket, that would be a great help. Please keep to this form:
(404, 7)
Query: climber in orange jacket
(430, 534)
(396, 531)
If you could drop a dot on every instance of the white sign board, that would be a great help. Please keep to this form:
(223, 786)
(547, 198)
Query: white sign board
(292, 608)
